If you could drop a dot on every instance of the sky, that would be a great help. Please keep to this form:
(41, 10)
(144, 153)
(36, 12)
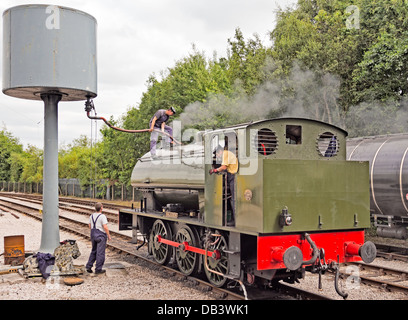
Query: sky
(135, 39)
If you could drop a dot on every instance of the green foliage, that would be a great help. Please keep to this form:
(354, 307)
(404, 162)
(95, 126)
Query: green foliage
(77, 161)
(31, 164)
(246, 61)
(17, 164)
(383, 72)
(10, 167)
(117, 154)
(370, 60)
(316, 35)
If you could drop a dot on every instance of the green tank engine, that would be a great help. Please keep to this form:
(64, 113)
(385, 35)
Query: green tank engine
(299, 205)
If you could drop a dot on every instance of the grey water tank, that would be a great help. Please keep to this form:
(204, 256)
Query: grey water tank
(49, 49)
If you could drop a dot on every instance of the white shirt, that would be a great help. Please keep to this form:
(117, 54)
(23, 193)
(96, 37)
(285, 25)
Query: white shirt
(100, 222)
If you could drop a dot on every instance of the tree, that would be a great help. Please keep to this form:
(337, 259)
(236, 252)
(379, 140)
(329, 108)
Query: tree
(32, 165)
(116, 156)
(246, 61)
(78, 161)
(193, 79)
(370, 61)
(9, 145)
(383, 72)
(316, 36)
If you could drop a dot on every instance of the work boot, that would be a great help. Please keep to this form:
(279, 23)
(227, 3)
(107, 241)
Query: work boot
(100, 271)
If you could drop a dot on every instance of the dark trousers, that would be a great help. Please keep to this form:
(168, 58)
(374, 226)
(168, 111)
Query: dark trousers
(98, 240)
(231, 186)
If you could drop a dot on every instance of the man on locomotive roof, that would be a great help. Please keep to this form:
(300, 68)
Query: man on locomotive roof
(158, 121)
(229, 163)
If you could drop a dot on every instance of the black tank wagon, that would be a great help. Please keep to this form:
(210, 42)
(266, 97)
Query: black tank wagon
(388, 169)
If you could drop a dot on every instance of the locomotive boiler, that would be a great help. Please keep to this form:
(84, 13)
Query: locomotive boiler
(299, 205)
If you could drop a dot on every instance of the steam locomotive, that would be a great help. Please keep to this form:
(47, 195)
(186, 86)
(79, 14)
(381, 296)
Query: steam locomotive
(300, 206)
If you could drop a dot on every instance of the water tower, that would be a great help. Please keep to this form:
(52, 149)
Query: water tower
(49, 54)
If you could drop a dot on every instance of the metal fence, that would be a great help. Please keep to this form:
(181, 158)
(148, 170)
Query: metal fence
(72, 187)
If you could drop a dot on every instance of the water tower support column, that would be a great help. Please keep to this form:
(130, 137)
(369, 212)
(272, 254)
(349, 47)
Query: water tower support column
(50, 237)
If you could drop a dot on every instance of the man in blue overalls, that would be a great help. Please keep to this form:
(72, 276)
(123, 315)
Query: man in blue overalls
(99, 234)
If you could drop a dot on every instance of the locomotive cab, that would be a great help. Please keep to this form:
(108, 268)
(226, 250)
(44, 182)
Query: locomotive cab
(296, 166)
(220, 203)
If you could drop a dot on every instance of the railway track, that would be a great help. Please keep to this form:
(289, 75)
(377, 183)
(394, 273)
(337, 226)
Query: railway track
(87, 202)
(31, 205)
(84, 207)
(391, 252)
(388, 279)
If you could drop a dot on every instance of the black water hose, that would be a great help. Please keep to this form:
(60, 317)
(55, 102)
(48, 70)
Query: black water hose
(90, 106)
(315, 250)
(334, 266)
(141, 245)
(336, 282)
(113, 127)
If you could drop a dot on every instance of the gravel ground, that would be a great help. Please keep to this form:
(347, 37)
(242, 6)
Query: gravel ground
(135, 281)
(354, 290)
